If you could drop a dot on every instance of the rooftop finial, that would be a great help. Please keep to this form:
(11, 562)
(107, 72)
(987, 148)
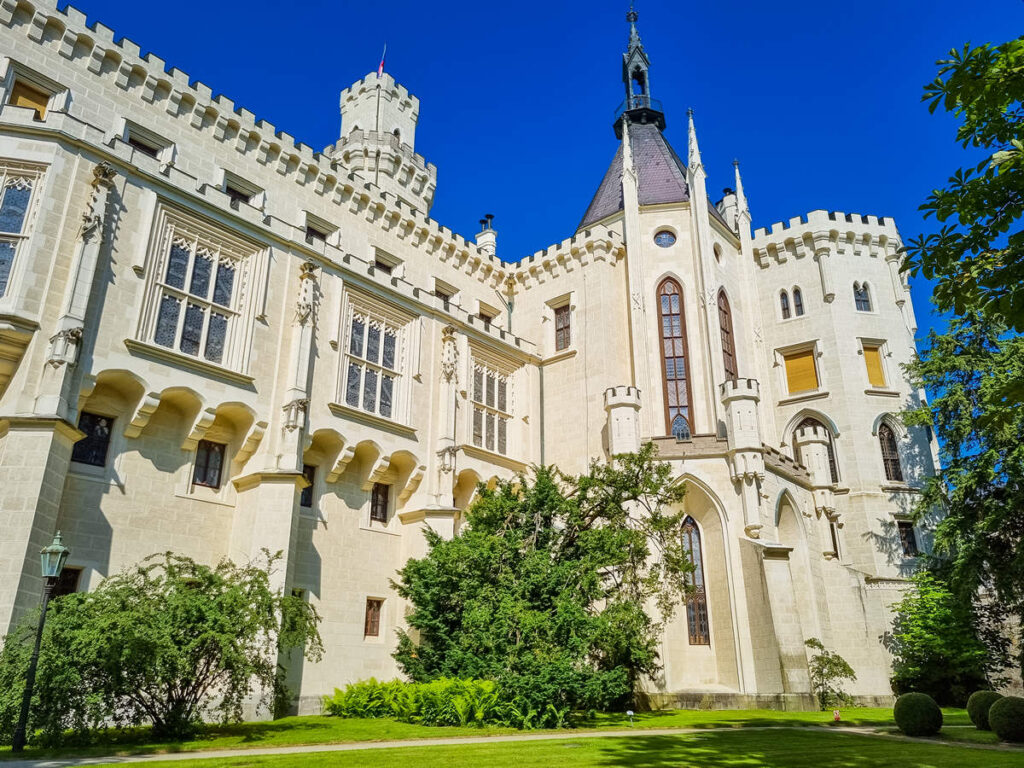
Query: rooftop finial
(634, 36)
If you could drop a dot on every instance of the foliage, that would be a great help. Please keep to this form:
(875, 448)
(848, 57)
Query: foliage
(977, 256)
(978, 706)
(917, 714)
(444, 701)
(934, 645)
(547, 589)
(1006, 717)
(971, 372)
(166, 642)
(828, 669)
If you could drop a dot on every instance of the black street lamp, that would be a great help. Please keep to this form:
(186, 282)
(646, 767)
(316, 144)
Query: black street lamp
(52, 559)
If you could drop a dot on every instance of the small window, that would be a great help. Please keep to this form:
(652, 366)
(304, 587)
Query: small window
(798, 302)
(381, 266)
(209, 462)
(146, 142)
(801, 372)
(92, 449)
(30, 97)
(371, 626)
(143, 146)
(67, 582)
(873, 363)
(908, 538)
(239, 191)
(862, 297)
(306, 496)
(315, 236)
(486, 318)
(784, 304)
(664, 239)
(562, 328)
(379, 502)
(446, 299)
(890, 454)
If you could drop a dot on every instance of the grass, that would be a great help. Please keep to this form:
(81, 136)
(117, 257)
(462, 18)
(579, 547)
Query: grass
(714, 748)
(332, 730)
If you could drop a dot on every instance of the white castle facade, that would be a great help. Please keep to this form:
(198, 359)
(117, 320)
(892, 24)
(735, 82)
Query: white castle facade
(215, 340)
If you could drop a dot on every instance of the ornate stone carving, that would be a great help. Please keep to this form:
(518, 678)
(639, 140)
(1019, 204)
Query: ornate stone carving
(446, 458)
(294, 414)
(449, 355)
(306, 305)
(95, 212)
(64, 347)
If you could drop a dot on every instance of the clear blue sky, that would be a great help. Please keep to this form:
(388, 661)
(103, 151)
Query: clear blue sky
(820, 101)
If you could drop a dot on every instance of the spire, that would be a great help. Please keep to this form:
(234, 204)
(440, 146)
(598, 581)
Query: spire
(741, 199)
(634, 36)
(637, 80)
(693, 155)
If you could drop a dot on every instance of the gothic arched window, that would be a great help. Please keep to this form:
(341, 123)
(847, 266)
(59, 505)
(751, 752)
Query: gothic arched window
(784, 303)
(861, 297)
(798, 302)
(833, 466)
(728, 341)
(890, 453)
(674, 365)
(697, 602)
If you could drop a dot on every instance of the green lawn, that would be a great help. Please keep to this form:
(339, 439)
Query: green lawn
(332, 730)
(711, 749)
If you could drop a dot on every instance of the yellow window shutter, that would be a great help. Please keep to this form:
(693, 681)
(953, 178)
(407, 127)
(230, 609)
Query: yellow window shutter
(873, 361)
(23, 95)
(801, 375)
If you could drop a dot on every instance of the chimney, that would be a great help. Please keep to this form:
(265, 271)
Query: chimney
(487, 238)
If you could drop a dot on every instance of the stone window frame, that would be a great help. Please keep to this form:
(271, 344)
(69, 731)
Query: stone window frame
(12, 71)
(12, 173)
(562, 303)
(905, 523)
(381, 500)
(373, 618)
(882, 345)
(781, 353)
(381, 314)
(248, 293)
(505, 371)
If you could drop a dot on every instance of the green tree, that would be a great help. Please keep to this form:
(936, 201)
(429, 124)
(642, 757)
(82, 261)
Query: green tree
(827, 671)
(935, 647)
(166, 642)
(977, 257)
(972, 372)
(557, 587)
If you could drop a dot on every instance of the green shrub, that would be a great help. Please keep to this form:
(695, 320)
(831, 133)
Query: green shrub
(917, 714)
(828, 670)
(978, 706)
(1006, 717)
(445, 701)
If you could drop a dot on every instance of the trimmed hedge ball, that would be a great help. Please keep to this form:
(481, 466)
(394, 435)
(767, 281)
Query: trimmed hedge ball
(1006, 717)
(978, 706)
(917, 714)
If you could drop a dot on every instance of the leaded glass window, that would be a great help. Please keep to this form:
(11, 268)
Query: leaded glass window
(373, 360)
(491, 409)
(696, 601)
(862, 297)
(92, 449)
(197, 307)
(728, 342)
(674, 363)
(890, 454)
(209, 463)
(562, 327)
(15, 203)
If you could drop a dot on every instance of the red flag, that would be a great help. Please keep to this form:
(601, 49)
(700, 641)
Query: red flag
(380, 67)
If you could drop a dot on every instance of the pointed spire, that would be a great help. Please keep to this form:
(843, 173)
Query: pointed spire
(693, 156)
(741, 199)
(634, 36)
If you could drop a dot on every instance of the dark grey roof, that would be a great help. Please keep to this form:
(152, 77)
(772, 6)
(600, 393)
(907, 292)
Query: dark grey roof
(660, 173)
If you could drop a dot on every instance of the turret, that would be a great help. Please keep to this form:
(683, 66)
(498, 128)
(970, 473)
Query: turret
(740, 398)
(811, 445)
(622, 404)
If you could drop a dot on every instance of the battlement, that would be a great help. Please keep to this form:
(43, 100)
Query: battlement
(811, 434)
(369, 84)
(833, 231)
(736, 388)
(622, 395)
(822, 218)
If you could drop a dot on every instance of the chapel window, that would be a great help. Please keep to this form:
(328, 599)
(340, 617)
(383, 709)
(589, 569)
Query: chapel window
(373, 364)
(562, 328)
(16, 187)
(492, 406)
(890, 453)
(798, 302)
(209, 464)
(862, 297)
(833, 465)
(674, 363)
(92, 449)
(379, 499)
(784, 305)
(697, 601)
(371, 623)
(728, 341)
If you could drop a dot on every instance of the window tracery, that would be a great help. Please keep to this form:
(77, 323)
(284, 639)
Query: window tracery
(674, 362)
(697, 603)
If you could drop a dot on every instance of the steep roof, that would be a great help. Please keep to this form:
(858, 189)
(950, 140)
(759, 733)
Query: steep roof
(661, 175)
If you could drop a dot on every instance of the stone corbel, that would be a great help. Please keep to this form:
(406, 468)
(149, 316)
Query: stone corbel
(341, 463)
(142, 414)
(251, 442)
(294, 414)
(415, 477)
(377, 471)
(201, 425)
(64, 347)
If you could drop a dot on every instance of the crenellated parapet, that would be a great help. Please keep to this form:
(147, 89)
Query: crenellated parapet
(599, 245)
(843, 233)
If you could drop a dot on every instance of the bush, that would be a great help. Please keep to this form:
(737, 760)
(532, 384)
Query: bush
(978, 706)
(445, 701)
(1006, 717)
(917, 714)
(828, 669)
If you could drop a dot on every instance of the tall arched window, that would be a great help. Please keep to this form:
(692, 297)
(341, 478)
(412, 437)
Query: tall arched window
(728, 341)
(861, 297)
(784, 303)
(833, 466)
(675, 367)
(890, 453)
(697, 602)
(798, 302)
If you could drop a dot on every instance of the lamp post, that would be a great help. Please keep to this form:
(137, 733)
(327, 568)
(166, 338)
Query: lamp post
(52, 559)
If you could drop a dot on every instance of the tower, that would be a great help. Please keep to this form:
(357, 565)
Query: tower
(639, 107)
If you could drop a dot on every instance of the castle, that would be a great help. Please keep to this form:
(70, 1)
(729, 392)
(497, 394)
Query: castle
(216, 340)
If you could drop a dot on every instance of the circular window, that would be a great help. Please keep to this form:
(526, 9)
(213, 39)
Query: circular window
(664, 239)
